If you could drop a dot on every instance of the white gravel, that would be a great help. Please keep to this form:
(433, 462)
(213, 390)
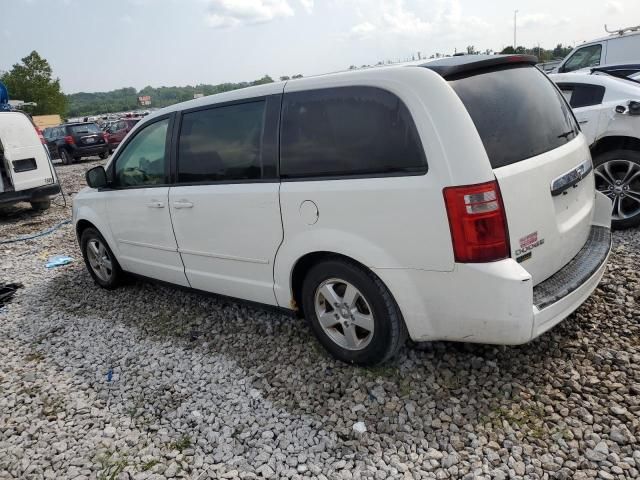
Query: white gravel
(202, 387)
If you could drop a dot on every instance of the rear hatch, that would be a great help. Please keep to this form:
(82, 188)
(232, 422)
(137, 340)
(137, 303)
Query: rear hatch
(540, 160)
(86, 134)
(25, 163)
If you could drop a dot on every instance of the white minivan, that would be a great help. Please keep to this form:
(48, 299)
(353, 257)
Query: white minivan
(620, 47)
(449, 200)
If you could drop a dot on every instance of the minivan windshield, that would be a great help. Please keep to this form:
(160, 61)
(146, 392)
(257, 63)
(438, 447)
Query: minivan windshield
(517, 111)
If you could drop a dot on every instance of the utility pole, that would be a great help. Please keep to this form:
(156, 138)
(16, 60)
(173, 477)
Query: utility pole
(515, 18)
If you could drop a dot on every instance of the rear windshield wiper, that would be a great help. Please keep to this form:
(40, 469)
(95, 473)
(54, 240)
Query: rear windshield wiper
(566, 134)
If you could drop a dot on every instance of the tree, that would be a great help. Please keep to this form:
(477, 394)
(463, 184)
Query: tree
(297, 76)
(284, 78)
(263, 80)
(471, 50)
(508, 50)
(31, 81)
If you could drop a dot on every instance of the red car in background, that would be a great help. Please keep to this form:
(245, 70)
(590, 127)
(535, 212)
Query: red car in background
(118, 130)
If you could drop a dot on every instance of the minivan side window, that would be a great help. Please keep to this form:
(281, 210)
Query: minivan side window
(348, 131)
(143, 160)
(222, 144)
(583, 58)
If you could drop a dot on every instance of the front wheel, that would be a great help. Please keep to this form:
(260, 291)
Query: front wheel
(99, 259)
(618, 177)
(352, 313)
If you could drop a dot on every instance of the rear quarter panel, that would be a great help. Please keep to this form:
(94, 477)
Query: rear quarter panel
(387, 222)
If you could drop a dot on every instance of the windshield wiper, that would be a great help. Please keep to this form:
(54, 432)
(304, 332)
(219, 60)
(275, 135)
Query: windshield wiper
(566, 134)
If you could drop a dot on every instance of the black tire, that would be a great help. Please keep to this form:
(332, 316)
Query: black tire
(103, 155)
(389, 333)
(41, 205)
(623, 167)
(66, 157)
(116, 278)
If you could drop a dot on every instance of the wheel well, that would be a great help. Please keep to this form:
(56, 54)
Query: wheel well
(302, 267)
(607, 144)
(82, 226)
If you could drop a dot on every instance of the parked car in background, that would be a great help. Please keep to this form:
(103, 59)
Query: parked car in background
(621, 46)
(118, 130)
(627, 71)
(450, 200)
(26, 172)
(73, 141)
(608, 110)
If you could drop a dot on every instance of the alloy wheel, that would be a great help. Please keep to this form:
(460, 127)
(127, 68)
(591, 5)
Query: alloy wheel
(620, 181)
(99, 260)
(344, 314)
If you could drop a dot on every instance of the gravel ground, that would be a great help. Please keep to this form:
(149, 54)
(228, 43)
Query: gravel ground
(155, 382)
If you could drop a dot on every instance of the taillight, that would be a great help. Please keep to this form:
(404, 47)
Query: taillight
(105, 135)
(477, 222)
(69, 140)
(41, 136)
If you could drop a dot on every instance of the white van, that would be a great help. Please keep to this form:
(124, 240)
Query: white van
(620, 47)
(450, 200)
(26, 172)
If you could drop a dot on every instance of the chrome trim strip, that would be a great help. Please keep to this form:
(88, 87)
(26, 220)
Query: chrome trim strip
(147, 245)
(223, 257)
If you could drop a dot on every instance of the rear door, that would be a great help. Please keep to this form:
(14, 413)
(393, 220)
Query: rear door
(137, 207)
(224, 205)
(26, 159)
(540, 159)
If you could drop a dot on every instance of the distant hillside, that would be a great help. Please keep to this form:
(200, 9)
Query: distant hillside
(81, 104)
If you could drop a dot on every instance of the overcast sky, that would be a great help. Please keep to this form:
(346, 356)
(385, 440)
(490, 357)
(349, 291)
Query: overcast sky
(98, 46)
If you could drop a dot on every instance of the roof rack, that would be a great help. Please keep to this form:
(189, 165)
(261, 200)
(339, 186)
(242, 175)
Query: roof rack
(622, 31)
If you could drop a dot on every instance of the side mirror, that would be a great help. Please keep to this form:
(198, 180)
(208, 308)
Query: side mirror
(634, 108)
(96, 177)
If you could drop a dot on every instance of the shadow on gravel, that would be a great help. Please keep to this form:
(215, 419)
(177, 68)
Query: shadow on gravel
(22, 216)
(432, 386)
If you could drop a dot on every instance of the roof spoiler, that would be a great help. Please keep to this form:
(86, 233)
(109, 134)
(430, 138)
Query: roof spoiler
(453, 66)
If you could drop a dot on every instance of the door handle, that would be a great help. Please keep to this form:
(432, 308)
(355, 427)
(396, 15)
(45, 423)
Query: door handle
(155, 204)
(182, 204)
(582, 122)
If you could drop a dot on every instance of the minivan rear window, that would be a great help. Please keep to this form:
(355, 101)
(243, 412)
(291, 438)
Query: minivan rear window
(517, 111)
(84, 128)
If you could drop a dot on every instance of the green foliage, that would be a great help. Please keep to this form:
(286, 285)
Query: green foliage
(543, 55)
(123, 99)
(31, 81)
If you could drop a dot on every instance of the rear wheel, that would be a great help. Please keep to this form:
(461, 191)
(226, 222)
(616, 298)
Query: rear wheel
(352, 313)
(618, 176)
(40, 205)
(66, 157)
(99, 259)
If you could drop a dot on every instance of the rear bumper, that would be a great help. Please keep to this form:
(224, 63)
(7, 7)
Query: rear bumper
(30, 194)
(90, 151)
(562, 293)
(496, 302)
